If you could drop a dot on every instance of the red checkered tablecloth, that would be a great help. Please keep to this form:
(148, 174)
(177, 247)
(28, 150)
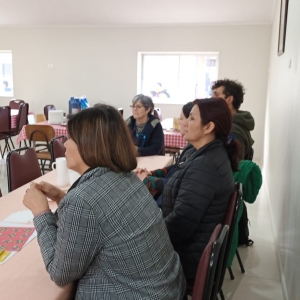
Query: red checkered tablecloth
(174, 139)
(59, 130)
(14, 121)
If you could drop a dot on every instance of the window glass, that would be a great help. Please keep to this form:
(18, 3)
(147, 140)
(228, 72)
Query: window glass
(177, 78)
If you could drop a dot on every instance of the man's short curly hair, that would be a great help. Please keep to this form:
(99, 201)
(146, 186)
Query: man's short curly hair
(231, 88)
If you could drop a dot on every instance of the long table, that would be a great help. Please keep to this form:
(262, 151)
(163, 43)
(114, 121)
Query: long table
(172, 138)
(59, 130)
(24, 275)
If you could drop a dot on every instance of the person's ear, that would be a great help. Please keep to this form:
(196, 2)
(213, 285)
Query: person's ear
(209, 127)
(229, 100)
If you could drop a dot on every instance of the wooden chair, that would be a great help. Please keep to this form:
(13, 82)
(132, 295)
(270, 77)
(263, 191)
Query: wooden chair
(40, 118)
(5, 127)
(57, 147)
(15, 103)
(22, 121)
(157, 113)
(212, 256)
(41, 133)
(47, 108)
(230, 221)
(22, 169)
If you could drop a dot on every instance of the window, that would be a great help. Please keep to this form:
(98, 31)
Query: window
(6, 74)
(177, 78)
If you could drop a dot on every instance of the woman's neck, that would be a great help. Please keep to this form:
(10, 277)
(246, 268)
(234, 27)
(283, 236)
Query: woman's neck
(142, 121)
(206, 140)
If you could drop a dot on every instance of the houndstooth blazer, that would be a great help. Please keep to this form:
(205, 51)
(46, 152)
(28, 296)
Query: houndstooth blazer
(111, 237)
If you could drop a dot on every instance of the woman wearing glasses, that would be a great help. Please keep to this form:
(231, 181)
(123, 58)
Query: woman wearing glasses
(108, 233)
(147, 132)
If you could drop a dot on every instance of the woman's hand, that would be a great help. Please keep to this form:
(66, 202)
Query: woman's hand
(35, 200)
(50, 191)
(142, 170)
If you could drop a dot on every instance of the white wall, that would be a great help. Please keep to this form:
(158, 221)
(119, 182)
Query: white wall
(282, 147)
(102, 63)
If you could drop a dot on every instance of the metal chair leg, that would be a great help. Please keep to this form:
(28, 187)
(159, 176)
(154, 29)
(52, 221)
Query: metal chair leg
(240, 261)
(221, 295)
(231, 274)
(12, 143)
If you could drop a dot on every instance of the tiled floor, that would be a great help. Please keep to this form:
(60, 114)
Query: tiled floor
(261, 279)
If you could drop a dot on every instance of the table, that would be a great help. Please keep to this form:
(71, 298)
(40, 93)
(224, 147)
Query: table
(24, 276)
(14, 117)
(172, 138)
(59, 130)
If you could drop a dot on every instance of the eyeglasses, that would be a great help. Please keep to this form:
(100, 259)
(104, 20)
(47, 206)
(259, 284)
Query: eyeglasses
(136, 106)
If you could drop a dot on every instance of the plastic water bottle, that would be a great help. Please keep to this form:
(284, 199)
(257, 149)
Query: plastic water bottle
(70, 104)
(75, 105)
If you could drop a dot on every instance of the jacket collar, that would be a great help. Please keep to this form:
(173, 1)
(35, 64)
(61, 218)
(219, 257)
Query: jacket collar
(209, 146)
(87, 175)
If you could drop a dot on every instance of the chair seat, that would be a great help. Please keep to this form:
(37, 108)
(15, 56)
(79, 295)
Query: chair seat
(4, 135)
(44, 155)
(14, 131)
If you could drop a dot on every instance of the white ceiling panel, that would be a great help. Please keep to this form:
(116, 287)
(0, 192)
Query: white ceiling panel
(134, 12)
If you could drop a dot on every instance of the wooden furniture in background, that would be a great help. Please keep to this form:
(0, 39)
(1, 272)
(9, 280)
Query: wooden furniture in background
(40, 133)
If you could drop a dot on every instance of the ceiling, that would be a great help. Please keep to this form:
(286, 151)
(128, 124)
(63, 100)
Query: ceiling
(134, 12)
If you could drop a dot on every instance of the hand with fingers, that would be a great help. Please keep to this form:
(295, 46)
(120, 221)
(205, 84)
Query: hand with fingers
(36, 201)
(143, 170)
(50, 191)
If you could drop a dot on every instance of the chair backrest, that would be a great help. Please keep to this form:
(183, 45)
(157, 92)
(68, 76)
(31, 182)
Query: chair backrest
(57, 147)
(47, 108)
(121, 111)
(39, 133)
(157, 113)
(22, 169)
(15, 103)
(204, 288)
(5, 119)
(203, 266)
(230, 220)
(40, 118)
(22, 116)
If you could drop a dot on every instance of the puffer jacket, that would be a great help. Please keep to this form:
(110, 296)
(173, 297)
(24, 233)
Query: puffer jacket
(195, 200)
